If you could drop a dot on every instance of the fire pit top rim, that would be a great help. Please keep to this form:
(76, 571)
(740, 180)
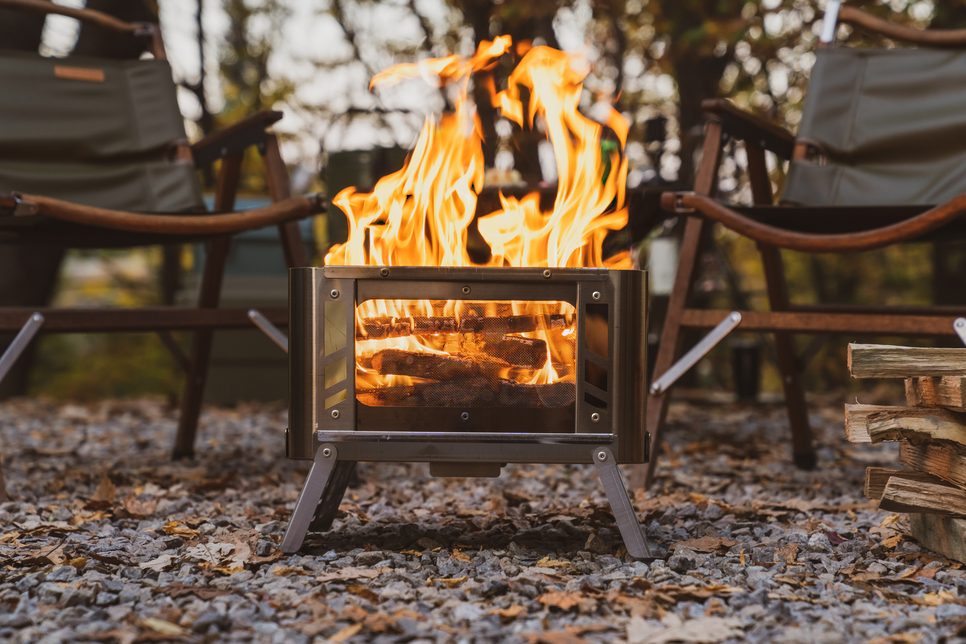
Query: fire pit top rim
(483, 273)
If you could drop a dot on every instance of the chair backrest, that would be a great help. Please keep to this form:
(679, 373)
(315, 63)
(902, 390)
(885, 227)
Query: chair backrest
(94, 131)
(891, 123)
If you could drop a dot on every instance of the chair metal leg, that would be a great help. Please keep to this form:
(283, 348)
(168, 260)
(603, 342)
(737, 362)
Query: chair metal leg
(305, 508)
(19, 344)
(9, 357)
(620, 503)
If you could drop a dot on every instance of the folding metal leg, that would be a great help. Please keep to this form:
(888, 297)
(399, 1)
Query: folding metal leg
(620, 503)
(332, 496)
(9, 357)
(20, 343)
(305, 508)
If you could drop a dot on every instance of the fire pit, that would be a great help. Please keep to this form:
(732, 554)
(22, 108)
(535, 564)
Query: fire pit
(504, 366)
(409, 347)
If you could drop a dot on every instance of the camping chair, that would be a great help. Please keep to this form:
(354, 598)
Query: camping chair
(881, 142)
(93, 154)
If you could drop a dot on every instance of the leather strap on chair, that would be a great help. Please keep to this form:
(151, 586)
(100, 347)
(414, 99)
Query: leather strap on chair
(277, 213)
(684, 202)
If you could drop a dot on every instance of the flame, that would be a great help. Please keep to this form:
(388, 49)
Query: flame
(421, 215)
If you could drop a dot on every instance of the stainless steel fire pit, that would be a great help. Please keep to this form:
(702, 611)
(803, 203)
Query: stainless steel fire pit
(473, 369)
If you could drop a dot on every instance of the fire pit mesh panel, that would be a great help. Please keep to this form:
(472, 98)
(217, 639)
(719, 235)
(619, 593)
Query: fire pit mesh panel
(465, 353)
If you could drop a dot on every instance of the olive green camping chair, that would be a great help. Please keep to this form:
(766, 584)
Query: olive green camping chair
(93, 154)
(881, 142)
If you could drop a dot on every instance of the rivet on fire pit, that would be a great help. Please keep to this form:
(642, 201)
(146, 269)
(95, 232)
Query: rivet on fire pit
(335, 413)
(466, 290)
(465, 416)
(326, 452)
(596, 295)
(547, 273)
(384, 272)
(602, 456)
(595, 416)
(335, 294)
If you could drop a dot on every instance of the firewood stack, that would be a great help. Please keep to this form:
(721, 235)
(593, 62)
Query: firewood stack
(931, 432)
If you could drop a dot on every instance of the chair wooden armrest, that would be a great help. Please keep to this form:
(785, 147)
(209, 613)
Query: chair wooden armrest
(852, 242)
(741, 125)
(213, 224)
(91, 16)
(932, 37)
(234, 138)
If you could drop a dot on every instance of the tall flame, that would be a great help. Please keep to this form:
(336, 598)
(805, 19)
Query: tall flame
(421, 215)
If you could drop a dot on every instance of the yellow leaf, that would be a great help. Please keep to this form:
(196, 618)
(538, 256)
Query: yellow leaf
(892, 542)
(453, 582)
(459, 555)
(937, 598)
(510, 613)
(412, 552)
(889, 520)
(173, 527)
(282, 571)
(547, 562)
(163, 627)
(346, 633)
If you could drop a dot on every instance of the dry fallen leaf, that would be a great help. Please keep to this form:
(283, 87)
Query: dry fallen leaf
(788, 554)
(173, 527)
(346, 633)
(547, 562)
(343, 574)
(163, 627)
(282, 571)
(140, 509)
(510, 613)
(162, 563)
(566, 601)
(706, 544)
(453, 582)
(459, 555)
(104, 497)
(362, 591)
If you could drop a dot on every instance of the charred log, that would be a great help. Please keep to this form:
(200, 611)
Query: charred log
(472, 392)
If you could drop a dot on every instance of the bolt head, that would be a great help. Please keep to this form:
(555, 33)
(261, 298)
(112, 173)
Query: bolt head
(326, 452)
(960, 322)
(335, 413)
(334, 293)
(601, 456)
(465, 416)
(384, 272)
(595, 417)
(595, 295)
(466, 290)
(547, 273)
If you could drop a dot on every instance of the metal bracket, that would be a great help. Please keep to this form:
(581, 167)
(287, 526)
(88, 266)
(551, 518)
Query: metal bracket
(830, 21)
(269, 329)
(305, 508)
(27, 333)
(959, 326)
(697, 352)
(620, 503)
(13, 204)
(679, 206)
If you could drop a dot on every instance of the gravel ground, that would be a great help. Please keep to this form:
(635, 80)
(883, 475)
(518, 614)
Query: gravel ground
(108, 541)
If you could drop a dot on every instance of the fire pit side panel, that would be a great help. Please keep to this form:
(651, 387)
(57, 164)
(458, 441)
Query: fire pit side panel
(303, 322)
(631, 365)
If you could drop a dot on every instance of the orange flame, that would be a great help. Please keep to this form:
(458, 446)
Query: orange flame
(420, 215)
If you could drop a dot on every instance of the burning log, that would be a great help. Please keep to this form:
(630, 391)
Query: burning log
(520, 351)
(390, 327)
(512, 324)
(472, 392)
(434, 366)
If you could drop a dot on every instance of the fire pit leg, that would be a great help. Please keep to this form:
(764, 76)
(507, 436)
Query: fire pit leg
(620, 503)
(329, 505)
(305, 508)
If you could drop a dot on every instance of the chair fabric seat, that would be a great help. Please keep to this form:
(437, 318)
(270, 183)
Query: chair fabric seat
(96, 132)
(891, 123)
